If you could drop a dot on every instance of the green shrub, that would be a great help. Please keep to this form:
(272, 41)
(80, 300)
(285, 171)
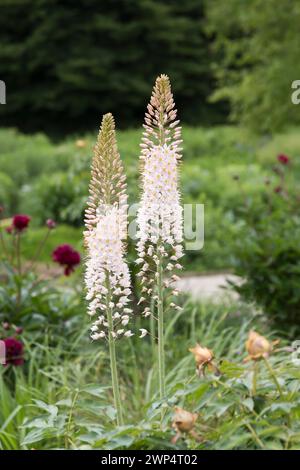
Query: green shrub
(59, 196)
(268, 259)
(42, 306)
(257, 61)
(267, 253)
(26, 157)
(7, 192)
(28, 297)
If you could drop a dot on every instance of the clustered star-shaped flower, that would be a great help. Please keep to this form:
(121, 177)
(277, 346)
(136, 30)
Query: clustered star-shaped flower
(159, 217)
(107, 275)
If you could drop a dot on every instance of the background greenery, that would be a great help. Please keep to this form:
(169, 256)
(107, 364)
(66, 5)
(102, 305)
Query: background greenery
(64, 62)
(52, 181)
(258, 46)
(71, 58)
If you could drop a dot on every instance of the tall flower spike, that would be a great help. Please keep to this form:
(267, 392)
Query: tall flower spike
(160, 214)
(108, 181)
(107, 275)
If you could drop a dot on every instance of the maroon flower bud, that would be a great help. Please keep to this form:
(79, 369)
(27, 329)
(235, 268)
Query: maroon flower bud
(51, 224)
(284, 159)
(9, 229)
(19, 330)
(66, 256)
(14, 352)
(278, 189)
(20, 222)
(6, 325)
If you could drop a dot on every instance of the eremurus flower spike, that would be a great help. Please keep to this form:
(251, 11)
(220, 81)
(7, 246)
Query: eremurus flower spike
(108, 181)
(107, 275)
(159, 217)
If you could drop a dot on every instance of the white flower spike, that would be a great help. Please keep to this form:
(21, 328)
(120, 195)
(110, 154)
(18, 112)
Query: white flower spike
(107, 275)
(159, 218)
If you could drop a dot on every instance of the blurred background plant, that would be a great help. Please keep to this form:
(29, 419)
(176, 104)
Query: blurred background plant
(267, 253)
(257, 61)
(26, 298)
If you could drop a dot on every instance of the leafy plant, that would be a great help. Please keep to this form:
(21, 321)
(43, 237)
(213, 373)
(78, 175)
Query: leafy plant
(257, 62)
(58, 402)
(267, 254)
(26, 299)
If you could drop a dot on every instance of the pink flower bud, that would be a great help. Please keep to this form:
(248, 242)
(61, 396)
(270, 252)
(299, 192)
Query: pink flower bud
(51, 224)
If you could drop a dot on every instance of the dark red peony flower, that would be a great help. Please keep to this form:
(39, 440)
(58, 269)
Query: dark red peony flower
(284, 159)
(66, 256)
(20, 222)
(50, 224)
(13, 352)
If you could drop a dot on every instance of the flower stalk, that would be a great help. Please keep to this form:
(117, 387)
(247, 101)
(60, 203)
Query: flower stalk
(107, 275)
(161, 334)
(273, 376)
(2, 240)
(113, 363)
(159, 217)
(40, 248)
(254, 379)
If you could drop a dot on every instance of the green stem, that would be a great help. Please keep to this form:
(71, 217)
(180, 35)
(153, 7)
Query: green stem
(255, 436)
(113, 365)
(254, 379)
(39, 251)
(18, 254)
(2, 241)
(19, 270)
(273, 375)
(68, 430)
(161, 339)
(153, 332)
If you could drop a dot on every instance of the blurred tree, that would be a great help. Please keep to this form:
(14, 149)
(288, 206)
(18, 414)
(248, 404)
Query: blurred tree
(259, 43)
(65, 63)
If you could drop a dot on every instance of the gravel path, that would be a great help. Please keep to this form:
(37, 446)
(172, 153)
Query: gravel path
(209, 286)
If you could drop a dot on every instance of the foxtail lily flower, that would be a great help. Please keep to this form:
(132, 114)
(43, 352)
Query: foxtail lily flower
(107, 275)
(159, 217)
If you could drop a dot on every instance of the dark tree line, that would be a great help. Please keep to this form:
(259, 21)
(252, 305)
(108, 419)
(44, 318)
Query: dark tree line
(66, 62)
